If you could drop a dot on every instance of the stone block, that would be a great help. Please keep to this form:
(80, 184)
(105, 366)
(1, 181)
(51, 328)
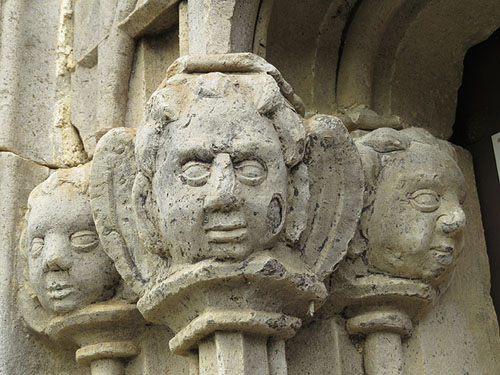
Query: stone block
(86, 27)
(460, 334)
(22, 352)
(323, 347)
(27, 78)
(153, 55)
(84, 88)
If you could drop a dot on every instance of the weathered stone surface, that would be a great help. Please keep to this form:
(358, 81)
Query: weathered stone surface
(391, 65)
(217, 27)
(68, 269)
(153, 56)
(21, 352)
(230, 209)
(113, 173)
(421, 236)
(323, 347)
(86, 29)
(150, 17)
(409, 241)
(69, 277)
(304, 39)
(227, 207)
(27, 78)
(461, 331)
(104, 62)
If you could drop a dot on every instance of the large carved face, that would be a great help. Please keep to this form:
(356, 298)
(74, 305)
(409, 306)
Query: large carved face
(67, 267)
(220, 184)
(416, 226)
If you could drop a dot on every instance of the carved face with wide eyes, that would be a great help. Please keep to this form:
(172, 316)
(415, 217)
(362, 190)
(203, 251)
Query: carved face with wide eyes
(67, 267)
(416, 227)
(220, 186)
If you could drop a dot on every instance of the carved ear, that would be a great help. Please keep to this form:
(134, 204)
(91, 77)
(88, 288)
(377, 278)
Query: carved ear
(112, 179)
(146, 213)
(23, 240)
(298, 198)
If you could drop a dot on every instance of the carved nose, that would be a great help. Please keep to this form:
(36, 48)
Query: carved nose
(56, 254)
(452, 222)
(222, 183)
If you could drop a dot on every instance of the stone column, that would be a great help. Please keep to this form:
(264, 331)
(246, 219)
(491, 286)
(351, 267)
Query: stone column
(116, 53)
(217, 27)
(18, 177)
(106, 335)
(409, 240)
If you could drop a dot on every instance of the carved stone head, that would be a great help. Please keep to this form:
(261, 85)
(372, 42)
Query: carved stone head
(214, 158)
(413, 218)
(68, 269)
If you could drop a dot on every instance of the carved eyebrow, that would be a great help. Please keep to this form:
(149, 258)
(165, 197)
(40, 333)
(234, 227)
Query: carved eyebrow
(197, 151)
(251, 149)
(37, 226)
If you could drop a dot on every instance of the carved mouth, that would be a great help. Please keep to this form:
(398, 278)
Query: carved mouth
(445, 249)
(59, 291)
(230, 232)
(444, 253)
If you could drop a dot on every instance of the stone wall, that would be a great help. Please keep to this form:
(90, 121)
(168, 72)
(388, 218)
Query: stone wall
(197, 215)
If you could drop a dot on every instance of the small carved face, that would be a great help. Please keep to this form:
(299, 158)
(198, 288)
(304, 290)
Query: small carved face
(220, 185)
(67, 267)
(416, 227)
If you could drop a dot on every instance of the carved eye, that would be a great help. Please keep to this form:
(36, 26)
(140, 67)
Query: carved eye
(195, 173)
(84, 241)
(250, 172)
(425, 200)
(36, 247)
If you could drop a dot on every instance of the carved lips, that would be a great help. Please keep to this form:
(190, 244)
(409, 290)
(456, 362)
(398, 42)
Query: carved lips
(445, 251)
(229, 232)
(60, 292)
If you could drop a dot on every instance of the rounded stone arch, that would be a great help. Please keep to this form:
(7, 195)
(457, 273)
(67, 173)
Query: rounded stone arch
(405, 57)
(400, 57)
(303, 40)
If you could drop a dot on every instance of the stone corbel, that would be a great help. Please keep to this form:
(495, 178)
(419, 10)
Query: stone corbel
(408, 243)
(231, 307)
(381, 309)
(72, 292)
(104, 335)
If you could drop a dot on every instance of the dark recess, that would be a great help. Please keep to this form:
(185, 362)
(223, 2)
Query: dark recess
(477, 119)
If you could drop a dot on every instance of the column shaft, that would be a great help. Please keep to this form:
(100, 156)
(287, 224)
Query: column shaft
(383, 354)
(107, 366)
(233, 353)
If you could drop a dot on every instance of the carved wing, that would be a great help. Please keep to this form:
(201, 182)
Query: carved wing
(336, 189)
(111, 181)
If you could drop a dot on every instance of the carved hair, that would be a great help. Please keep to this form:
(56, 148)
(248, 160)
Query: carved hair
(258, 89)
(178, 100)
(377, 149)
(380, 146)
(77, 178)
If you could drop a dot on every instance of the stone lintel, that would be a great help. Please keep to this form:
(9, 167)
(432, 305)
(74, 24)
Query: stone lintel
(150, 17)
